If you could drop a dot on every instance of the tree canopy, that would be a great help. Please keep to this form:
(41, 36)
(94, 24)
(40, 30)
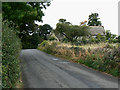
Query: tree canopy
(93, 20)
(71, 32)
(44, 30)
(64, 21)
(24, 15)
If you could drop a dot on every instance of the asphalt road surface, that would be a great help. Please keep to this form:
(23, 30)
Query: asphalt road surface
(40, 70)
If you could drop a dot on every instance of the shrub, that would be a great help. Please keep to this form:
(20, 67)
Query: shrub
(46, 47)
(52, 38)
(11, 47)
(98, 36)
(44, 43)
(50, 48)
(65, 40)
(103, 59)
(103, 38)
(84, 41)
(92, 40)
(119, 38)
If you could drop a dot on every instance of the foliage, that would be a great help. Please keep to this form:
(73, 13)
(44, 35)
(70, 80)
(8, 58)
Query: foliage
(0, 48)
(111, 38)
(52, 38)
(46, 47)
(108, 34)
(104, 59)
(65, 40)
(11, 47)
(24, 15)
(44, 31)
(64, 21)
(71, 32)
(31, 41)
(92, 40)
(44, 43)
(84, 40)
(99, 36)
(119, 38)
(93, 20)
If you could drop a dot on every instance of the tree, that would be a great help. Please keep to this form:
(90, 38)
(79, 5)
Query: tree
(108, 34)
(93, 20)
(44, 30)
(63, 21)
(24, 15)
(71, 32)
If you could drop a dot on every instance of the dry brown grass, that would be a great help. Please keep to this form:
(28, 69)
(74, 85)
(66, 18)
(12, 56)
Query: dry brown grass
(91, 46)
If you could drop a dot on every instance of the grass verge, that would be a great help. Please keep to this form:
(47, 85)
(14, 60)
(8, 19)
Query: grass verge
(103, 59)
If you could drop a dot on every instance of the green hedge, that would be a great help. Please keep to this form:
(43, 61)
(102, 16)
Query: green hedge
(11, 46)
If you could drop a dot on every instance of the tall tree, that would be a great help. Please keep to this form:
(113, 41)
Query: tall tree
(24, 15)
(44, 30)
(93, 20)
(71, 32)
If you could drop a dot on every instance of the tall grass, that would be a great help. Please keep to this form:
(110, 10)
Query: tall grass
(102, 57)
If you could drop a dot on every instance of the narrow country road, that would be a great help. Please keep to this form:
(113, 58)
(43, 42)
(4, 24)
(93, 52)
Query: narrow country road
(40, 70)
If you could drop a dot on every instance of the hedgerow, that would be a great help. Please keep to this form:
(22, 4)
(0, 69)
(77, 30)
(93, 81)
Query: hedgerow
(11, 46)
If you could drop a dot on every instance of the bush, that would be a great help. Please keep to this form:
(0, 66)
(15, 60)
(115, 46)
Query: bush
(46, 47)
(52, 38)
(11, 47)
(92, 40)
(103, 38)
(119, 39)
(44, 43)
(65, 40)
(84, 40)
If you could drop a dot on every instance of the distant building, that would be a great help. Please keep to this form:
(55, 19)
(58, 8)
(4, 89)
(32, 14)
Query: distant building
(94, 30)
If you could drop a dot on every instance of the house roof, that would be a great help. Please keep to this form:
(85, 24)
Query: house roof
(94, 30)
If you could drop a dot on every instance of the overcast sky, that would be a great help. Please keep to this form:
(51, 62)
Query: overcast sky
(76, 11)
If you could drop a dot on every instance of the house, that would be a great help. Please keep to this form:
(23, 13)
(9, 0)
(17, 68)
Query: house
(95, 30)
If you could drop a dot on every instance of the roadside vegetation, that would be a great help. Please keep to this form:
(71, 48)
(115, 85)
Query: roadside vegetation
(78, 45)
(104, 58)
(19, 31)
(0, 51)
(11, 46)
